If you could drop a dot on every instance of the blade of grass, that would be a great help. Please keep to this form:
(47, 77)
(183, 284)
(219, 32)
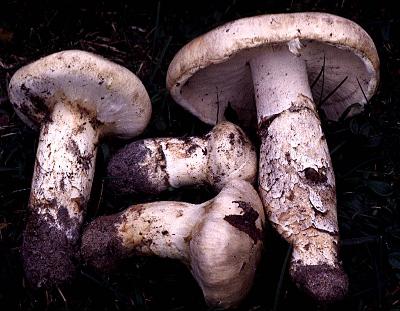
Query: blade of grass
(8, 169)
(347, 111)
(362, 91)
(63, 298)
(104, 284)
(355, 168)
(160, 59)
(319, 74)
(217, 105)
(337, 147)
(333, 91)
(358, 241)
(323, 84)
(156, 27)
(281, 277)
(379, 278)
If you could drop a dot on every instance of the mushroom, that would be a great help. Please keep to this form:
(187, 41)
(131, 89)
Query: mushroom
(153, 165)
(76, 98)
(270, 67)
(220, 240)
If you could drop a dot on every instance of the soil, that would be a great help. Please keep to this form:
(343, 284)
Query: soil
(134, 158)
(48, 255)
(324, 282)
(101, 246)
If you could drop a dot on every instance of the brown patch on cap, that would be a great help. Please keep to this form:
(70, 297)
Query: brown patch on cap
(101, 245)
(323, 283)
(246, 222)
(47, 253)
(127, 175)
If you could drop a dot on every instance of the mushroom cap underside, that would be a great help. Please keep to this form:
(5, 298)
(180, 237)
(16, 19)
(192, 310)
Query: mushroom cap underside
(212, 71)
(112, 95)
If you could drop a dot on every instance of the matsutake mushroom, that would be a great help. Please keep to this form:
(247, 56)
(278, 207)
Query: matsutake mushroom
(267, 69)
(155, 164)
(76, 98)
(220, 240)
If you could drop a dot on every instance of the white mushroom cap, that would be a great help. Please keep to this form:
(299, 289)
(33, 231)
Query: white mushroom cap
(211, 71)
(113, 94)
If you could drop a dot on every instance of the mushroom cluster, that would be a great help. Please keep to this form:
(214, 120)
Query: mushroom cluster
(268, 69)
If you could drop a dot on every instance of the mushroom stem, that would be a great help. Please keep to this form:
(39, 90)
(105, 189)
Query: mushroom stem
(296, 180)
(187, 157)
(160, 229)
(154, 165)
(62, 180)
(219, 240)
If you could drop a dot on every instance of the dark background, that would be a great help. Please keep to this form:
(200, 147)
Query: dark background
(144, 36)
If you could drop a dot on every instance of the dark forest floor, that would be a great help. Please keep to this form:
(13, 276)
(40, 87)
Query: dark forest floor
(144, 38)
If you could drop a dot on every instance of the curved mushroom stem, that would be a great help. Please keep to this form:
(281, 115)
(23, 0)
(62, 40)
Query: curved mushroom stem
(219, 240)
(62, 180)
(160, 229)
(153, 165)
(296, 180)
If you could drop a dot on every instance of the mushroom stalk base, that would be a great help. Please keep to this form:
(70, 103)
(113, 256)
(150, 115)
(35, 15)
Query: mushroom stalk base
(160, 229)
(61, 184)
(296, 180)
